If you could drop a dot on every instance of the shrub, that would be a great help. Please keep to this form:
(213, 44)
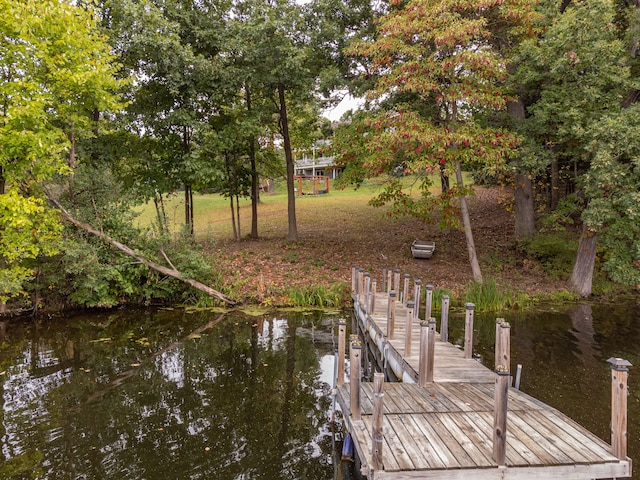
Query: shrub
(555, 253)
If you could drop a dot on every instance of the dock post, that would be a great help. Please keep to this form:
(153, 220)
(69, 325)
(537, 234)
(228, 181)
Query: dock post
(416, 298)
(391, 314)
(353, 279)
(431, 350)
(619, 393)
(427, 314)
(384, 277)
(376, 427)
(367, 292)
(468, 330)
(407, 333)
(374, 286)
(444, 319)
(342, 335)
(496, 350)
(405, 290)
(518, 376)
(360, 285)
(354, 383)
(500, 415)
(389, 280)
(503, 344)
(426, 355)
(396, 282)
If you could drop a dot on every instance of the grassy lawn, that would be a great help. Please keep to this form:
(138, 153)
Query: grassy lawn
(212, 215)
(340, 229)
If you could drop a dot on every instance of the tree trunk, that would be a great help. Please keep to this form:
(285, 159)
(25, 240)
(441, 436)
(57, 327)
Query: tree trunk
(238, 216)
(161, 215)
(171, 272)
(525, 225)
(555, 184)
(581, 280)
(255, 191)
(524, 208)
(188, 209)
(466, 222)
(444, 181)
(292, 236)
(233, 218)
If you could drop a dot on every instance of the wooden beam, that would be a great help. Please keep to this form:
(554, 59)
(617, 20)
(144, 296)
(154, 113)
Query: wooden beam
(619, 393)
(391, 314)
(342, 338)
(429, 295)
(376, 427)
(444, 319)
(556, 472)
(468, 330)
(408, 329)
(355, 351)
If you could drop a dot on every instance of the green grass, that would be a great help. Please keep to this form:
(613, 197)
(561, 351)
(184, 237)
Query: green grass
(212, 215)
(488, 297)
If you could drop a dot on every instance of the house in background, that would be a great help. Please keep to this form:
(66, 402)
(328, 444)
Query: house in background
(315, 163)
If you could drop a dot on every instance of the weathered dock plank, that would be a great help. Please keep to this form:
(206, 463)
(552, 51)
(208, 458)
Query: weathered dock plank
(444, 429)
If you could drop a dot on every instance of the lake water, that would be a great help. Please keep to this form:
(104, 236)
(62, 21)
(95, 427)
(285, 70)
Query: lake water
(169, 394)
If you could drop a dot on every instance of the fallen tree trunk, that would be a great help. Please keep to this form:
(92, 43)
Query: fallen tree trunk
(171, 272)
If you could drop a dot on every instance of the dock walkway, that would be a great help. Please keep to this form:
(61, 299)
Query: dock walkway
(445, 429)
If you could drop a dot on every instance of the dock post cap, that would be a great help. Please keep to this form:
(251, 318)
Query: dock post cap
(356, 343)
(505, 325)
(418, 282)
(429, 287)
(445, 297)
(502, 370)
(396, 270)
(342, 322)
(393, 293)
(470, 306)
(431, 320)
(367, 274)
(406, 275)
(424, 323)
(619, 364)
(411, 304)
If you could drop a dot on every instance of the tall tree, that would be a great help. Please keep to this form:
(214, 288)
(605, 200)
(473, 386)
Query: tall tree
(439, 56)
(278, 63)
(56, 71)
(581, 72)
(171, 47)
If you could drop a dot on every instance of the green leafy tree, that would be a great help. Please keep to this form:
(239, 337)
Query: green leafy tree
(56, 70)
(437, 63)
(580, 75)
(171, 49)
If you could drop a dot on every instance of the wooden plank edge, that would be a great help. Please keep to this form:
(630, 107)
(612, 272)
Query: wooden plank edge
(621, 469)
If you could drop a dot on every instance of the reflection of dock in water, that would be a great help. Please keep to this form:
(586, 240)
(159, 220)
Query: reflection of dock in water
(452, 418)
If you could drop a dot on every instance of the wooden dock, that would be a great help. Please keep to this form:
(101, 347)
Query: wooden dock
(452, 418)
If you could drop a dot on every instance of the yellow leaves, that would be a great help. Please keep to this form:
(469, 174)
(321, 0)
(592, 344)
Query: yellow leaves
(101, 340)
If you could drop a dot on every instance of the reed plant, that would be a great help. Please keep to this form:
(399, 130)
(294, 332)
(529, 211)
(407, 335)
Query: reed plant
(438, 293)
(335, 296)
(489, 297)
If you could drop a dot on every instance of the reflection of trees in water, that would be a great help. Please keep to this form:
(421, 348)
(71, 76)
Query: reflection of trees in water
(240, 400)
(582, 321)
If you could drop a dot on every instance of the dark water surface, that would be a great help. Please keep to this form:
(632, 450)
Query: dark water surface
(175, 395)
(138, 395)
